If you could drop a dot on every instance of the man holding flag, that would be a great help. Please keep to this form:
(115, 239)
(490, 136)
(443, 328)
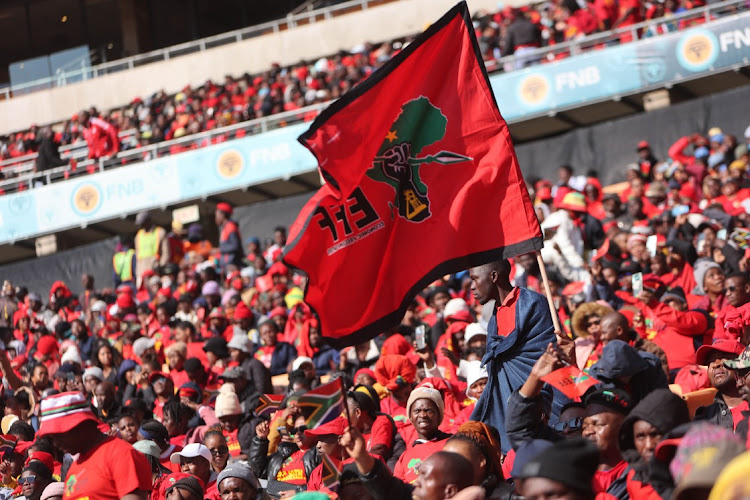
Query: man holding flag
(420, 164)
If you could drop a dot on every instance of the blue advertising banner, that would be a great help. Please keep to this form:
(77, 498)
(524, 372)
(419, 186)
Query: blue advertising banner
(623, 69)
(115, 193)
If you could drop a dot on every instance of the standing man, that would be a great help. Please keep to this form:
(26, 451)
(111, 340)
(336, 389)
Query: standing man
(151, 246)
(517, 335)
(123, 263)
(101, 136)
(230, 241)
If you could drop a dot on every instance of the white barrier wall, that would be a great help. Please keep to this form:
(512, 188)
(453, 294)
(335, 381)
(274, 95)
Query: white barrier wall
(376, 24)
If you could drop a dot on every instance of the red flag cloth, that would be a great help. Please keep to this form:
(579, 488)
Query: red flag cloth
(421, 181)
(571, 381)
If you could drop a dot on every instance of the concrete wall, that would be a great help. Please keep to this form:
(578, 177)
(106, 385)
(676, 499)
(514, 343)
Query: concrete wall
(385, 22)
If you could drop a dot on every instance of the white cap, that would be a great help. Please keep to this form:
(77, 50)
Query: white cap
(472, 331)
(474, 372)
(71, 355)
(191, 450)
(455, 305)
(141, 344)
(93, 371)
(240, 342)
(301, 361)
(99, 306)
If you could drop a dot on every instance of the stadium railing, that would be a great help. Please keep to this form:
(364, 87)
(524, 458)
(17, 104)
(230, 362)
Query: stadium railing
(79, 151)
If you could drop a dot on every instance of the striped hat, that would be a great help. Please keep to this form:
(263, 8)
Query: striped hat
(62, 412)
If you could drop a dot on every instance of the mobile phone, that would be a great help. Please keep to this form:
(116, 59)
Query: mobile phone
(419, 337)
(721, 234)
(651, 244)
(637, 281)
(680, 210)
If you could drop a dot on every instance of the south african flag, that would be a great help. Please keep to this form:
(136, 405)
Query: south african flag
(323, 403)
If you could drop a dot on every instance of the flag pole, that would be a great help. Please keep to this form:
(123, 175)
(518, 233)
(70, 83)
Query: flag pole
(548, 292)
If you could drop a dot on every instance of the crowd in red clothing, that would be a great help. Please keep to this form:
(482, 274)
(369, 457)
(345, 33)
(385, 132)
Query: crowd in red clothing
(177, 361)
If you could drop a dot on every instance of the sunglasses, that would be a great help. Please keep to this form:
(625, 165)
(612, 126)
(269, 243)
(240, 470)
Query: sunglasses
(27, 480)
(298, 430)
(731, 288)
(573, 424)
(221, 450)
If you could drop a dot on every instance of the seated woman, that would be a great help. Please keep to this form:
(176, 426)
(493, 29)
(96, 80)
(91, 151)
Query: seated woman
(377, 428)
(586, 327)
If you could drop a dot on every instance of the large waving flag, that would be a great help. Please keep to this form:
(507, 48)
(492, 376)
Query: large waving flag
(421, 181)
(322, 404)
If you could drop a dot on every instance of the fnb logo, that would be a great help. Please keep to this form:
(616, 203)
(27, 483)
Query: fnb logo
(87, 198)
(697, 51)
(534, 89)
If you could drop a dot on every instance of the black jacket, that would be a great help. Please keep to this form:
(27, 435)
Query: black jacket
(523, 421)
(619, 360)
(381, 484)
(49, 156)
(717, 413)
(265, 466)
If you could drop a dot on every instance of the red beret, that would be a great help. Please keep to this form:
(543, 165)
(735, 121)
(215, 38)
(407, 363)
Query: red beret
(242, 312)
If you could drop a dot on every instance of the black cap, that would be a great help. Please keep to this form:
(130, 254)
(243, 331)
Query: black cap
(572, 462)
(613, 399)
(676, 293)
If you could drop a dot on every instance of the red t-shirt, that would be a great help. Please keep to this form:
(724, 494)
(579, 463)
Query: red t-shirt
(234, 445)
(292, 471)
(737, 413)
(407, 465)
(506, 314)
(381, 433)
(111, 470)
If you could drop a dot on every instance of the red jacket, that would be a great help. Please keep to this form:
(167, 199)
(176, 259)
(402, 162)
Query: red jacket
(101, 138)
(675, 331)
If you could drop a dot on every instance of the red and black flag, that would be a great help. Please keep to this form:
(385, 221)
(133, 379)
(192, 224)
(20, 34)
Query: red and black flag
(421, 181)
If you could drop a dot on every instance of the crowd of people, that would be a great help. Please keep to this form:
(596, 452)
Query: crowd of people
(155, 387)
(162, 117)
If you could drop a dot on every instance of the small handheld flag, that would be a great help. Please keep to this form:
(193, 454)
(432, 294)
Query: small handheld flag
(323, 404)
(571, 381)
(268, 404)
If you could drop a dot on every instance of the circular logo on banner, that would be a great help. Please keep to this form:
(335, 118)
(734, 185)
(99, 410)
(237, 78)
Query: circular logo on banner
(698, 50)
(87, 198)
(230, 164)
(534, 89)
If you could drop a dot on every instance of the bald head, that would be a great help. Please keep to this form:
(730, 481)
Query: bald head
(614, 326)
(105, 394)
(452, 468)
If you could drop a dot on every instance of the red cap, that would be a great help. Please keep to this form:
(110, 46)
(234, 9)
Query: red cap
(652, 281)
(47, 345)
(44, 457)
(337, 426)
(155, 375)
(278, 311)
(462, 315)
(643, 145)
(278, 268)
(124, 289)
(225, 207)
(125, 301)
(242, 312)
(544, 193)
(722, 345)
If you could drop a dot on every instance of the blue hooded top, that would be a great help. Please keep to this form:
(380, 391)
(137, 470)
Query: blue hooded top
(509, 360)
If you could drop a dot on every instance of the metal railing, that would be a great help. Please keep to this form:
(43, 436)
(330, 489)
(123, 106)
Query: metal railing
(167, 53)
(161, 149)
(261, 125)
